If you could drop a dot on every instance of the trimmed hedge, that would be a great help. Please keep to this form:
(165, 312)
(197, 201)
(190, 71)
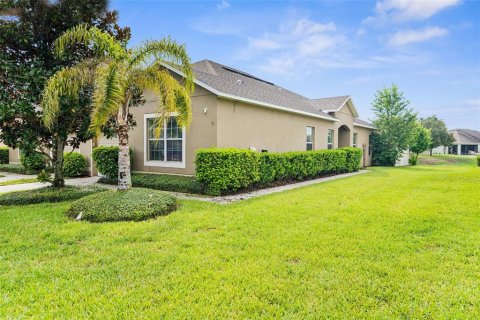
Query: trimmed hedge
(74, 164)
(162, 182)
(106, 160)
(4, 159)
(47, 194)
(19, 169)
(478, 160)
(226, 170)
(135, 204)
(32, 161)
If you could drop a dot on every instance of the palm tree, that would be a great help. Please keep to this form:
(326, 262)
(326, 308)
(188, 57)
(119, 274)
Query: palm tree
(116, 73)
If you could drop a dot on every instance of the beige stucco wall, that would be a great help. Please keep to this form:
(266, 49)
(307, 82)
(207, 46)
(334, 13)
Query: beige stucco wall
(201, 134)
(13, 154)
(242, 125)
(363, 143)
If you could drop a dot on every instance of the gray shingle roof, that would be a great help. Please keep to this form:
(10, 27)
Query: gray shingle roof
(363, 123)
(466, 136)
(241, 84)
(331, 103)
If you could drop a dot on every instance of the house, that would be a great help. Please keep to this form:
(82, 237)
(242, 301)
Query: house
(466, 141)
(234, 109)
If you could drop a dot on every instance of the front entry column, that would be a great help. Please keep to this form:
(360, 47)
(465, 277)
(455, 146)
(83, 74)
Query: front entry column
(459, 149)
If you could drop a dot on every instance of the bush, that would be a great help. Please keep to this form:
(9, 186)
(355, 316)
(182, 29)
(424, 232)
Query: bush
(226, 169)
(478, 160)
(106, 161)
(19, 169)
(130, 205)
(47, 194)
(74, 164)
(354, 158)
(162, 182)
(223, 170)
(4, 155)
(32, 161)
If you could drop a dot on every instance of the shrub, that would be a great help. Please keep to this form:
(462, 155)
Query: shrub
(74, 164)
(478, 160)
(106, 160)
(162, 182)
(354, 157)
(19, 169)
(130, 205)
(44, 177)
(223, 170)
(4, 155)
(32, 161)
(47, 194)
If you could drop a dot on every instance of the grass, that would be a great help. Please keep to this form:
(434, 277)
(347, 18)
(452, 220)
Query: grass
(18, 181)
(394, 243)
(441, 159)
(1, 175)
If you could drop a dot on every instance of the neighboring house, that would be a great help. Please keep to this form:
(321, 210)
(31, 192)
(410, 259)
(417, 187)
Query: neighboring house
(466, 141)
(234, 109)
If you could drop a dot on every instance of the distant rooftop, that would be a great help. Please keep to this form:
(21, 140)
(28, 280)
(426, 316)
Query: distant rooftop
(466, 136)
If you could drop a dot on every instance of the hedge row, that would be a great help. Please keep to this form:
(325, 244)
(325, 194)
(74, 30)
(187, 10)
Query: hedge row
(106, 160)
(224, 170)
(478, 160)
(19, 169)
(3, 155)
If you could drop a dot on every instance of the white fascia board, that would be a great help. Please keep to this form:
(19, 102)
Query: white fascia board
(273, 106)
(251, 101)
(363, 126)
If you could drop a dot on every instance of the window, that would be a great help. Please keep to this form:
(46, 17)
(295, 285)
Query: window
(310, 138)
(355, 137)
(330, 139)
(167, 149)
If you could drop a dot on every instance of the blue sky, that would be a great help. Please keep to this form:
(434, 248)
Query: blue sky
(430, 49)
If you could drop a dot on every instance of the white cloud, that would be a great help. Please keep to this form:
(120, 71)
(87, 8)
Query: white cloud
(475, 102)
(296, 43)
(405, 37)
(223, 5)
(403, 10)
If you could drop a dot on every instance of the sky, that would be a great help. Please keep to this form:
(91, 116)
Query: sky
(430, 49)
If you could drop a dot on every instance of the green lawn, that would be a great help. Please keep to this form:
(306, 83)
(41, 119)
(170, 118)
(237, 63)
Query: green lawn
(18, 181)
(394, 243)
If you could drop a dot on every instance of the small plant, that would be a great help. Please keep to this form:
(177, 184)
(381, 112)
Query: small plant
(4, 155)
(32, 161)
(47, 194)
(106, 160)
(135, 204)
(478, 160)
(74, 164)
(44, 177)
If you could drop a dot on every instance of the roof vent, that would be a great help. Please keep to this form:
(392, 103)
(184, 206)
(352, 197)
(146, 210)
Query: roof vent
(240, 81)
(279, 89)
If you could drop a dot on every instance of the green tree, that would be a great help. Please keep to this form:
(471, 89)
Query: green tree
(439, 131)
(117, 74)
(421, 140)
(28, 29)
(394, 122)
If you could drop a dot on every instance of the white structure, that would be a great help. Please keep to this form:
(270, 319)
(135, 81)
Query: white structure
(403, 161)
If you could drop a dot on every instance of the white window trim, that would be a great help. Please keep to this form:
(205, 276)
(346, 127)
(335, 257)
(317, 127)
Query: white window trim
(313, 139)
(354, 143)
(156, 163)
(333, 139)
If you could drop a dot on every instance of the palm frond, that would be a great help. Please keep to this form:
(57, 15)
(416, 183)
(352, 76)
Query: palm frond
(101, 42)
(165, 51)
(172, 96)
(66, 82)
(108, 93)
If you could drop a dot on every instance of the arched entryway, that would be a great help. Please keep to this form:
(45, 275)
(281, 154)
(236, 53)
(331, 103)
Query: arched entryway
(344, 136)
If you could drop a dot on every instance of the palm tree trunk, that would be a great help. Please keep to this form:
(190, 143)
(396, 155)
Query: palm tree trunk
(57, 159)
(124, 174)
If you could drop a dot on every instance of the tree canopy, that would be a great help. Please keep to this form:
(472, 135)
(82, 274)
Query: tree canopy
(395, 122)
(28, 29)
(439, 132)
